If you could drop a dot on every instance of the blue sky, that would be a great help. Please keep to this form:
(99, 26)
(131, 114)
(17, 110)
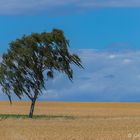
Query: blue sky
(99, 28)
(106, 35)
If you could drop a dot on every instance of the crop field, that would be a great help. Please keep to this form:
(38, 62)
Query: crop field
(70, 121)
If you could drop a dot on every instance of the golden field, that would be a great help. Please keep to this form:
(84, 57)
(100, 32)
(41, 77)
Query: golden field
(92, 121)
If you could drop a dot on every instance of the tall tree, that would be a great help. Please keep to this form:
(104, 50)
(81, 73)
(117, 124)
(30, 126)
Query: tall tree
(32, 59)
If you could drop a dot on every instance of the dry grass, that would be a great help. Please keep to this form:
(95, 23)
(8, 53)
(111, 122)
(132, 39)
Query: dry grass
(93, 121)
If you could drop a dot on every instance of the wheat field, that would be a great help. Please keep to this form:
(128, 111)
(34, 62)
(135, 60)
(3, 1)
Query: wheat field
(91, 121)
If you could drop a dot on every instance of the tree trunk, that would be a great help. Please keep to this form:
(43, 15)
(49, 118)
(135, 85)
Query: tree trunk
(32, 109)
(33, 102)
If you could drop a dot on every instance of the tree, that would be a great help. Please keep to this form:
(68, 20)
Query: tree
(32, 60)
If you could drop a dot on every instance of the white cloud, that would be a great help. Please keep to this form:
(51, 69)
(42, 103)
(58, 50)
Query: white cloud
(111, 3)
(112, 56)
(10, 7)
(127, 61)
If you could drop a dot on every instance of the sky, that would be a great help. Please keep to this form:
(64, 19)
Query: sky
(105, 34)
(100, 28)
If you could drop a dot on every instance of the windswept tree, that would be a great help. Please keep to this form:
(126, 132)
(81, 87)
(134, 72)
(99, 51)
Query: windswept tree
(32, 60)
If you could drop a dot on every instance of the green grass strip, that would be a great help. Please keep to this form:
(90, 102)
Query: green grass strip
(48, 117)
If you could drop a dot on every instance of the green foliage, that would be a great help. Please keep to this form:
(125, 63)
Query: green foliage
(29, 59)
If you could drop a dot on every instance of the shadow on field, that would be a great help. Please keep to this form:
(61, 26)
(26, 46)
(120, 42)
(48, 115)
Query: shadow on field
(49, 117)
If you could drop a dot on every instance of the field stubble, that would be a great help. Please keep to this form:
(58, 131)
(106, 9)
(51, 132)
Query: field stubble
(92, 121)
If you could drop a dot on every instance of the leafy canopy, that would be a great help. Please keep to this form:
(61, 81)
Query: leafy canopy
(31, 59)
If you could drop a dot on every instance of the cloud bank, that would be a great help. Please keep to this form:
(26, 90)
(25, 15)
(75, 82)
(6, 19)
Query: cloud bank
(108, 76)
(12, 7)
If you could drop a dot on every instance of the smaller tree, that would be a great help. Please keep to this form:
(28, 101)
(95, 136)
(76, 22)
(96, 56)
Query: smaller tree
(32, 59)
